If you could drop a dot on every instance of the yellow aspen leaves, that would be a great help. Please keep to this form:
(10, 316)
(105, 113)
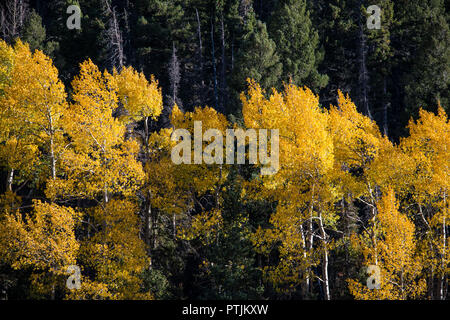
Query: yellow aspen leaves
(32, 105)
(44, 242)
(90, 182)
(140, 98)
(205, 226)
(99, 160)
(395, 254)
(115, 252)
(306, 160)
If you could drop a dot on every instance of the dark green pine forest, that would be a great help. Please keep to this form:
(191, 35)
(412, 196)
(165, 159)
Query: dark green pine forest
(202, 52)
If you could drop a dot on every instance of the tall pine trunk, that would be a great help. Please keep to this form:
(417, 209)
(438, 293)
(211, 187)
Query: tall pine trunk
(224, 83)
(385, 108)
(214, 65)
(363, 73)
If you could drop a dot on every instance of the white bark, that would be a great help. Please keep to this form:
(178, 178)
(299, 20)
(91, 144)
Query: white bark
(12, 18)
(114, 38)
(444, 249)
(10, 179)
(325, 278)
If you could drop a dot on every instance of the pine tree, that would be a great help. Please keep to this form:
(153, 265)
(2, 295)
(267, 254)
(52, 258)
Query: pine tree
(297, 44)
(34, 34)
(257, 58)
(337, 26)
(381, 61)
(428, 82)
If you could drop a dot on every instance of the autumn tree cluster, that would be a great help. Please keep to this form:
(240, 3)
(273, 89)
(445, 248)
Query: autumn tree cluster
(80, 169)
(88, 180)
(202, 51)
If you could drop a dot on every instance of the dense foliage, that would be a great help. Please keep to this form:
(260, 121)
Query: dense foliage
(87, 118)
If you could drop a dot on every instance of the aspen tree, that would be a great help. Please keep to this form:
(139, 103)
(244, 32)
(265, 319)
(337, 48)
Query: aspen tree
(33, 104)
(301, 184)
(428, 145)
(395, 255)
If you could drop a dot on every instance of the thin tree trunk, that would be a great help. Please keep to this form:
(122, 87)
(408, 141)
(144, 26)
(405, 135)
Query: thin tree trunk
(115, 40)
(174, 75)
(148, 224)
(146, 133)
(199, 33)
(52, 159)
(174, 223)
(385, 108)
(363, 74)
(105, 194)
(10, 179)
(214, 65)
(232, 54)
(154, 229)
(310, 233)
(13, 15)
(374, 214)
(444, 249)
(431, 284)
(374, 237)
(346, 218)
(326, 285)
(305, 286)
(53, 294)
(224, 81)
(52, 150)
(51, 132)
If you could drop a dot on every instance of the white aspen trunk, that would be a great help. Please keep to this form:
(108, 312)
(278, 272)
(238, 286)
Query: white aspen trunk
(52, 159)
(310, 233)
(10, 179)
(326, 284)
(51, 132)
(444, 249)
(148, 225)
(154, 230)
(14, 18)
(174, 221)
(374, 214)
(105, 194)
(374, 238)
(305, 287)
(310, 248)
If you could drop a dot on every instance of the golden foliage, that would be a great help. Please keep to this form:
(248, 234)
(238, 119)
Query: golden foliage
(395, 253)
